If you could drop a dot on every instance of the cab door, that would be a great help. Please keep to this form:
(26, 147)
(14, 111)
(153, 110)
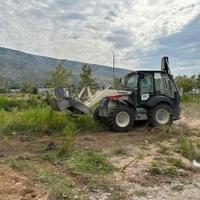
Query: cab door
(146, 87)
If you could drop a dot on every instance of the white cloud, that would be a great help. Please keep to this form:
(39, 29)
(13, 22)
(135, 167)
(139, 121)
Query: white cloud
(90, 30)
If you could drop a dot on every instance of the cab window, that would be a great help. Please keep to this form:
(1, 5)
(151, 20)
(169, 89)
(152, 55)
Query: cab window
(159, 83)
(164, 85)
(147, 84)
(132, 82)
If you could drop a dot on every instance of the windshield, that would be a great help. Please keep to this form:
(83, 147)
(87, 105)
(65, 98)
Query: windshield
(132, 82)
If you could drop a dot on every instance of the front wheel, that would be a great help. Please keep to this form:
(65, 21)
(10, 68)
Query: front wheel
(161, 114)
(121, 118)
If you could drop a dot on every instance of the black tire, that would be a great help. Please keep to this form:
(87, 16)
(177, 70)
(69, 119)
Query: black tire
(113, 122)
(97, 118)
(160, 115)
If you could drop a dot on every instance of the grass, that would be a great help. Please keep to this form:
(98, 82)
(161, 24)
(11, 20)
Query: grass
(35, 116)
(19, 164)
(162, 168)
(190, 98)
(118, 149)
(140, 193)
(178, 187)
(9, 104)
(164, 149)
(2, 118)
(61, 186)
(44, 120)
(89, 161)
(175, 162)
(189, 148)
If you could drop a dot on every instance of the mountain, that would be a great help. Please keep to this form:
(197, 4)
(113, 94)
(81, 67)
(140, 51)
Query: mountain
(19, 67)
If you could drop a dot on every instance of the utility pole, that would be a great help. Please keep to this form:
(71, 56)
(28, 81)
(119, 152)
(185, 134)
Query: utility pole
(113, 53)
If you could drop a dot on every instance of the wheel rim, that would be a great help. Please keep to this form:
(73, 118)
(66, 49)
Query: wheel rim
(162, 116)
(122, 119)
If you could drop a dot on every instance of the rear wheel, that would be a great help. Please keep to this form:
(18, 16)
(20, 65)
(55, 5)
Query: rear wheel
(121, 118)
(161, 114)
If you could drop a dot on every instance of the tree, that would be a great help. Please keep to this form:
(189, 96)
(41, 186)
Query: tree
(117, 84)
(184, 82)
(86, 78)
(60, 76)
(28, 88)
(198, 80)
(2, 84)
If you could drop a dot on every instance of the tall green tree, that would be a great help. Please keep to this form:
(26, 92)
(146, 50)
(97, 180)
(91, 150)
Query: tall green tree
(198, 80)
(86, 77)
(28, 89)
(2, 83)
(186, 83)
(60, 76)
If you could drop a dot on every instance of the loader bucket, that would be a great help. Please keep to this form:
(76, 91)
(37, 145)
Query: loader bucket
(62, 102)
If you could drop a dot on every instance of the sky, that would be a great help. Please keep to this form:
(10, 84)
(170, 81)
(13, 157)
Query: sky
(140, 32)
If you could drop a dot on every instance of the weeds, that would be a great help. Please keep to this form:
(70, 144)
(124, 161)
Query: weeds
(163, 169)
(19, 164)
(86, 123)
(140, 193)
(89, 161)
(178, 187)
(163, 149)
(44, 120)
(9, 104)
(118, 150)
(48, 157)
(175, 162)
(190, 98)
(68, 136)
(189, 149)
(61, 187)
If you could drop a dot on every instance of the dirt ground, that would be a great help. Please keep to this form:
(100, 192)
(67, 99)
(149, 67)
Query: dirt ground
(130, 152)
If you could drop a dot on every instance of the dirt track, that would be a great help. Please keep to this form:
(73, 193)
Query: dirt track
(137, 150)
